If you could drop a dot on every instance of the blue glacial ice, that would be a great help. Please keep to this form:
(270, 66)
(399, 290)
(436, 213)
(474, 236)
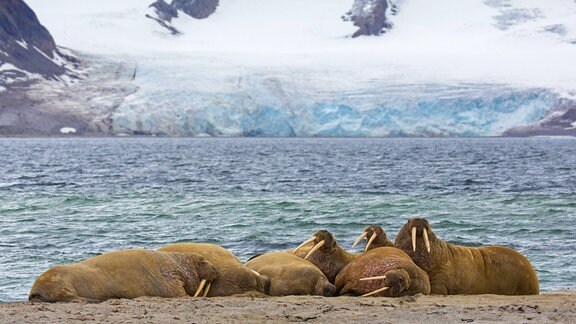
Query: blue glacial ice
(185, 105)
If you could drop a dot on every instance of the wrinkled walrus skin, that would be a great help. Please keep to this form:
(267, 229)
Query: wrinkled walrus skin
(233, 277)
(455, 269)
(403, 277)
(124, 274)
(291, 275)
(330, 257)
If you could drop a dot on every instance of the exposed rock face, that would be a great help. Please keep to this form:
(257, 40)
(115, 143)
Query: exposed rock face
(26, 44)
(30, 58)
(164, 12)
(561, 122)
(198, 9)
(369, 16)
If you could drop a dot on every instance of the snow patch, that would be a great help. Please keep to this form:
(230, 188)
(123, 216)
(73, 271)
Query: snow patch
(68, 130)
(22, 43)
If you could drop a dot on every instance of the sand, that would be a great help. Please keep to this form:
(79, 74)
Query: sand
(557, 307)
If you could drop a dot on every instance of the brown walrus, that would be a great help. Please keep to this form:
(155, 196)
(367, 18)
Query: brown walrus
(326, 254)
(383, 272)
(233, 277)
(376, 237)
(455, 269)
(125, 274)
(291, 275)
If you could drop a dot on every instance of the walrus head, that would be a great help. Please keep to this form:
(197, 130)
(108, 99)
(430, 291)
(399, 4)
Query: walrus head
(375, 237)
(393, 284)
(207, 273)
(323, 240)
(417, 239)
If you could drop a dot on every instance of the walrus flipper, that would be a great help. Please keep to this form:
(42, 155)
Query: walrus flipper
(64, 295)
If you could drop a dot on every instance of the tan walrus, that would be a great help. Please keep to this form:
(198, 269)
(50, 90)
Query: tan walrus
(455, 269)
(375, 236)
(233, 277)
(125, 274)
(382, 272)
(326, 254)
(291, 275)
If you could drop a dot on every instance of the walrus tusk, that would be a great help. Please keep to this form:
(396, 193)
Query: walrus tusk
(314, 249)
(370, 241)
(304, 243)
(207, 289)
(426, 241)
(376, 291)
(360, 238)
(372, 278)
(414, 239)
(202, 283)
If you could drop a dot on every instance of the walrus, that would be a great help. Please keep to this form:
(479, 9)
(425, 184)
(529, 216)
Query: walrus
(382, 272)
(291, 275)
(376, 237)
(326, 254)
(233, 277)
(126, 274)
(455, 269)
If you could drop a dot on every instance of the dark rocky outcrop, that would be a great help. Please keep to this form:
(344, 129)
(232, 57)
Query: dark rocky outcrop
(28, 57)
(369, 16)
(560, 122)
(26, 44)
(198, 9)
(164, 12)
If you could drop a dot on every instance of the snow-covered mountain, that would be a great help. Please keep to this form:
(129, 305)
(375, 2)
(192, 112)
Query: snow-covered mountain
(298, 67)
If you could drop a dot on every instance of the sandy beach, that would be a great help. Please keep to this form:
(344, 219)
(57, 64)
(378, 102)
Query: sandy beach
(559, 307)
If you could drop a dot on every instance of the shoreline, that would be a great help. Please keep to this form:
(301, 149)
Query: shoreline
(555, 306)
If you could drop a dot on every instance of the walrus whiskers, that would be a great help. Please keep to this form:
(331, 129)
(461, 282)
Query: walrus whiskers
(314, 249)
(426, 241)
(360, 238)
(304, 243)
(376, 291)
(200, 287)
(372, 278)
(370, 241)
(414, 239)
(207, 289)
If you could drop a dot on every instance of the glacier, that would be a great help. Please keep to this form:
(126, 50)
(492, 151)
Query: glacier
(243, 115)
(258, 104)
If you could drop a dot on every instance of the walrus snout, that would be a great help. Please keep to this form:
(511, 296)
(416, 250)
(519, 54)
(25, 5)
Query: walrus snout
(419, 227)
(329, 290)
(398, 281)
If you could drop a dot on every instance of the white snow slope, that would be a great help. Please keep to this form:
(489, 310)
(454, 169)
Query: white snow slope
(290, 68)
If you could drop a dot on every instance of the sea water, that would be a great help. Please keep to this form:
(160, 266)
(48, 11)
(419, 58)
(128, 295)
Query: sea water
(63, 200)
